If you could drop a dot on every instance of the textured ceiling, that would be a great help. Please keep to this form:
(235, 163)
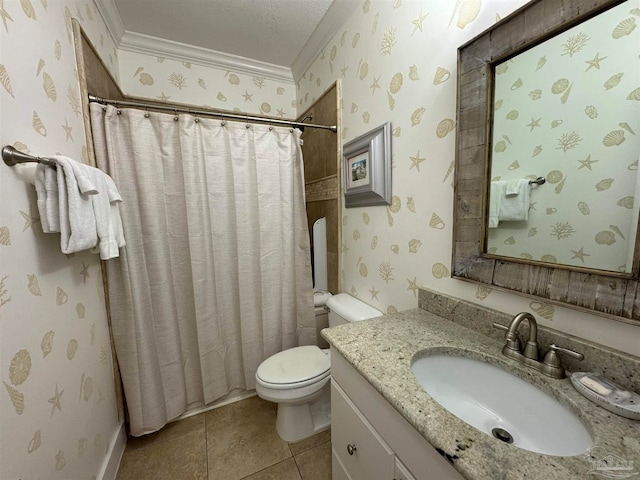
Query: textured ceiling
(271, 31)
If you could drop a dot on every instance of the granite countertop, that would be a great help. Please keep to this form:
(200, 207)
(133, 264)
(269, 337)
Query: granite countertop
(381, 350)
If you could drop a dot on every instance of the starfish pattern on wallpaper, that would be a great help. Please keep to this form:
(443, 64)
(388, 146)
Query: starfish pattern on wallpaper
(67, 130)
(534, 123)
(374, 293)
(29, 220)
(375, 85)
(55, 401)
(586, 163)
(85, 272)
(344, 71)
(247, 96)
(415, 161)
(280, 112)
(595, 63)
(580, 254)
(163, 97)
(413, 285)
(417, 23)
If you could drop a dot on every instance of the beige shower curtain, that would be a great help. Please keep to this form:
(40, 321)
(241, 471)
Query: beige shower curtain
(216, 274)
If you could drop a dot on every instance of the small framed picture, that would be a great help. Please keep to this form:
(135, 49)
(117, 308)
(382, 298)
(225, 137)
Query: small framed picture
(367, 168)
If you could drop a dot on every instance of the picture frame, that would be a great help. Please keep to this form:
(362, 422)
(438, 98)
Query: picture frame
(367, 168)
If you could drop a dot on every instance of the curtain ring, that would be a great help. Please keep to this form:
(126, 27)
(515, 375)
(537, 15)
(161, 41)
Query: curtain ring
(146, 112)
(175, 117)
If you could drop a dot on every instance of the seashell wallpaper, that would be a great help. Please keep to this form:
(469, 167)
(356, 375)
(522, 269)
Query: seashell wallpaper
(584, 129)
(396, 61)
(45, 344)
(167, 80)
(409, 78)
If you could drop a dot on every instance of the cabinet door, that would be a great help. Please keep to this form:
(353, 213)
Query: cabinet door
(337, 469)
(362, 452)
(401, 472)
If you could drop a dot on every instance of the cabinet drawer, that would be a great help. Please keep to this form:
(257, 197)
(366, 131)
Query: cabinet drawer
(369, 457)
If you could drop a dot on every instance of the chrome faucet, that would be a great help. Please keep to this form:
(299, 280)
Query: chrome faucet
(550, 365)
(513, 341)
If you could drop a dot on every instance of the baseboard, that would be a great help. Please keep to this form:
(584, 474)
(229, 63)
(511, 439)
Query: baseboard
(111, 463)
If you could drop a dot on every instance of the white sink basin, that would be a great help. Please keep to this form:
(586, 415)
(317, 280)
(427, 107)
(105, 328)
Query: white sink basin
(501, 404)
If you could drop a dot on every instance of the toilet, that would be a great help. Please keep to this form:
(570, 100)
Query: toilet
(298, 379)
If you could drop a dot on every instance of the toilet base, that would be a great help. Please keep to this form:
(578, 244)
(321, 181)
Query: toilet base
(297, 422)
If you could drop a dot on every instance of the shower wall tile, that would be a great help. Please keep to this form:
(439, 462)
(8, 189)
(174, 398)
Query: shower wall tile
(58, 414)
(328, 187)
(322, 185)
(98, 82)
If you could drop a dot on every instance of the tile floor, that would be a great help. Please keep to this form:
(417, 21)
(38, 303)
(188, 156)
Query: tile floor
(237, 441)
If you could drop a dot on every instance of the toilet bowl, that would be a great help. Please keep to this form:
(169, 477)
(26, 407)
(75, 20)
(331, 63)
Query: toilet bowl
(298, 379)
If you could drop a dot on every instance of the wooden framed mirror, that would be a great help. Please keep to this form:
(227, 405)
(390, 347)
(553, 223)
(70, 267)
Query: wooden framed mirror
(611, 293)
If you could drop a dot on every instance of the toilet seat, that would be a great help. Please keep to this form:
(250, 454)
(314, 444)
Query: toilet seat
(294, 368)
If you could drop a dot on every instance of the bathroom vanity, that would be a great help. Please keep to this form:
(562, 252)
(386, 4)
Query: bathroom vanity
(370, 439)
(386, 426)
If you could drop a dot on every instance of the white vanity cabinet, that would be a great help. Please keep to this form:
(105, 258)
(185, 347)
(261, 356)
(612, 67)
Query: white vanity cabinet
(370, 439)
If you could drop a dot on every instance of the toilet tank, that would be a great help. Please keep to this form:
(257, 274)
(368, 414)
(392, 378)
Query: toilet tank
(343, 308)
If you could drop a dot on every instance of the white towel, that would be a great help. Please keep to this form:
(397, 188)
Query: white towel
(514, 205)
(107, 213)
(46, 184)
(42, 197)
(85, 178)
(77, 221)
(53, 205)
(495, 199)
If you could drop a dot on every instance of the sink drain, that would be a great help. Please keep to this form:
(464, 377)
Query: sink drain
(502, 435)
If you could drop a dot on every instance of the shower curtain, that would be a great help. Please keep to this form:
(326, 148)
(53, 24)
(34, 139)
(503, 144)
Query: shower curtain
(216, 274)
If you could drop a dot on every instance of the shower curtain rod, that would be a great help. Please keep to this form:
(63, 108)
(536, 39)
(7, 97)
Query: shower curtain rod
(192, 111)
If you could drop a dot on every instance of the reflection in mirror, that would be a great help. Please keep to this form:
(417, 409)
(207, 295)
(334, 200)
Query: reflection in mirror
(608, 292)
(567, 109)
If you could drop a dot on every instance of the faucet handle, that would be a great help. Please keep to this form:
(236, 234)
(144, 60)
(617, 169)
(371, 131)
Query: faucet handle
(499, 326)
(512, 338)
(552, 359)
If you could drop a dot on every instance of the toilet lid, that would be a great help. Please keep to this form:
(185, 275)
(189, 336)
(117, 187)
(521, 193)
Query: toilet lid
(295, 365)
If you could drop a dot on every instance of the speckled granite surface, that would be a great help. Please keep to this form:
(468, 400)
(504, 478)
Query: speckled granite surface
(381, 350)
(621, 368)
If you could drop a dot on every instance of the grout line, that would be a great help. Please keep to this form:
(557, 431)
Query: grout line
(206, 447)
(297, 467)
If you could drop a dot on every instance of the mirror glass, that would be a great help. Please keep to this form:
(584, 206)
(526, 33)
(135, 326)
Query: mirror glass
(568, 110)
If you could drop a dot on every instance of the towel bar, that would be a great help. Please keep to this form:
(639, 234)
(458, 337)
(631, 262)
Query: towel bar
(538, 181)
(12, 157)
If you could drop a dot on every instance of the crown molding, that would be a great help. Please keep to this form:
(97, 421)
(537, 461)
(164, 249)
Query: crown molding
(109, 13)
(148, 45)
(160, 47)
(333, 20)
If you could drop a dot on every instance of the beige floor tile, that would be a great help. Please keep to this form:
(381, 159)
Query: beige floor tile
(182, 457)
(169, 431)
(315, 464)
(307, 443)
(242, 439)
(285, 470)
